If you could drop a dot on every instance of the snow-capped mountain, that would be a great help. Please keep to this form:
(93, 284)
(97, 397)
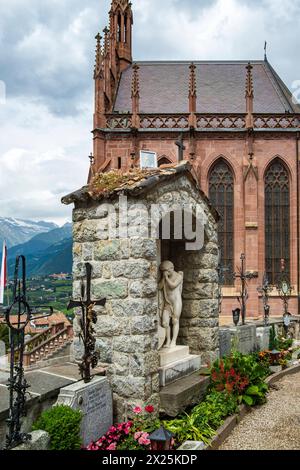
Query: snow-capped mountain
(17, 231)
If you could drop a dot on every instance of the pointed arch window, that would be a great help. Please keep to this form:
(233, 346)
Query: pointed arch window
(221, 193)
(119, 28)
(277, 219)
(125, 28)
(163, 160)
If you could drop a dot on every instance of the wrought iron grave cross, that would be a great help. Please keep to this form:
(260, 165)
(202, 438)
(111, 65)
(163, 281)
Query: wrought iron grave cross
(86, 320)
(265, 289)
(17, 317)
(284, 289)
(244, 277)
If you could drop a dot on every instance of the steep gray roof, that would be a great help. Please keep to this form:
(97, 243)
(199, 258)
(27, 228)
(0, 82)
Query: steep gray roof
(220, 88)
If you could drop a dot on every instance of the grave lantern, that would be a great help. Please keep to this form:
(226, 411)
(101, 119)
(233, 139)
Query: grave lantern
(161, 439)
(275, 355)
(236, 316)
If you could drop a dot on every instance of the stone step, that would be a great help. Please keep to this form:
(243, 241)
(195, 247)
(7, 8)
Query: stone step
(179, 369)
(178, 396)
(178, 353)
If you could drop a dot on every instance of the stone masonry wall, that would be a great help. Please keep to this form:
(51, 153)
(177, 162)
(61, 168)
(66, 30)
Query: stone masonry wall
(125, 271)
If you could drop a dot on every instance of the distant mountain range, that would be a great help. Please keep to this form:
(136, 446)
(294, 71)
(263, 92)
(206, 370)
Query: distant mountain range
(47, 252)
(17, 231)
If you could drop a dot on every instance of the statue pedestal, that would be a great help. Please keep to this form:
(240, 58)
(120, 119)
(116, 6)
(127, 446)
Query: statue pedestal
(176, 363)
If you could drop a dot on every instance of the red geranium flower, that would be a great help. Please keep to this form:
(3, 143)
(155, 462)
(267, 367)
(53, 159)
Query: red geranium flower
(149, 409)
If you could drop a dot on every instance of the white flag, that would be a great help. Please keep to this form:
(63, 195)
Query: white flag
(3, 279)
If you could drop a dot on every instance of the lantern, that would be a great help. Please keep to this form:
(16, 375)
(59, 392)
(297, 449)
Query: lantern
(161, 439)
(236, 316)
(275, 356)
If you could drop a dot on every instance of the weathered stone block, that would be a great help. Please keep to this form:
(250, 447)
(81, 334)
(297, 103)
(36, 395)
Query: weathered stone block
(144, 364)
(132, 344)
(199, 291)
(104, 347)
(109, 250)
(128, 386)
(143, 248)
(141, 325)
(127, 308)
(84, 231)
(138, 269)
(108, 326)
(143, 288)
(110, 289)
(87, 251)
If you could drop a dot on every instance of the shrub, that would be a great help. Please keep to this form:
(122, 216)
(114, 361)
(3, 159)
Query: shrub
(203, 421)
(242, 376)
(4, 334)
(63, 425)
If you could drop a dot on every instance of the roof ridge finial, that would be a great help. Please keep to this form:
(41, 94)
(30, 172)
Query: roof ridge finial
(192, 96)
(106, 41)
(98, 61)
(249, 97)
(135, 87)
(193, 81)
(135, 96)
(249, 81)
(266, 58)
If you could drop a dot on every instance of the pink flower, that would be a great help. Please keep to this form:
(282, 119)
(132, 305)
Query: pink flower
(137, 410)
(149, 409)
(112, 446)
(143, 440)
(137, 435)
(92, 446)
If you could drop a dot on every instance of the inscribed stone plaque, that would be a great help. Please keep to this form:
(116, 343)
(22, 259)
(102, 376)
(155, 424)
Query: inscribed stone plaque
(94, 400)
(2, 348)
(245, 336)
(224, 342)
(263, 338)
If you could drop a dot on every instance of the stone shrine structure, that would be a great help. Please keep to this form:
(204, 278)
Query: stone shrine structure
(126, 261)
(238, 125)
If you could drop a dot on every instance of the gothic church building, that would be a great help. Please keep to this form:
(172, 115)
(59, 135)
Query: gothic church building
(235, 121)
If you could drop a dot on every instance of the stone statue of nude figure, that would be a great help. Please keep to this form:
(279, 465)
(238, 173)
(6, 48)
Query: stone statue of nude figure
(170, 288)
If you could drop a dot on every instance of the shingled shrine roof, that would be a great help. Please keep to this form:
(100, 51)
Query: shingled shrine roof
(134, 182)
(220, 88)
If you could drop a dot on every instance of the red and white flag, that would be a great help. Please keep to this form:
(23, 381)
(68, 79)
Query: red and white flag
(3, 279)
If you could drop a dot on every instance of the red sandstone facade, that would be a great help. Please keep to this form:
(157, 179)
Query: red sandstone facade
(238, 112)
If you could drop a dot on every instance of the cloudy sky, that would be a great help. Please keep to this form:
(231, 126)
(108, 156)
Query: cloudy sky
(46, 88)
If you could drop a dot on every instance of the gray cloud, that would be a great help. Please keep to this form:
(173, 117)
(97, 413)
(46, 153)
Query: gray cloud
(46, 61)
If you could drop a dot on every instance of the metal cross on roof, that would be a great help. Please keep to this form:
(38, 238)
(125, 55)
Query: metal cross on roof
(179, 143)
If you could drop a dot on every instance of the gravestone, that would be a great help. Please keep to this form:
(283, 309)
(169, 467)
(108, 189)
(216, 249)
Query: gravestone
(263, 338)
(2, 348)
(94, 400)
(224, 342)
(245, 338)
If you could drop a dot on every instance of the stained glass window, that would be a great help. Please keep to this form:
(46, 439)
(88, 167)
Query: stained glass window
(221, 193)
(277, 219)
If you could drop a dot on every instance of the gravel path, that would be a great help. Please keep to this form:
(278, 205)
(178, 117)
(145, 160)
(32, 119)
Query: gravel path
(273, 426)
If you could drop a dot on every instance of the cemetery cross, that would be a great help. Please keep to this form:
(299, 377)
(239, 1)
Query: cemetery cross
(86, 320)
(17, 317)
